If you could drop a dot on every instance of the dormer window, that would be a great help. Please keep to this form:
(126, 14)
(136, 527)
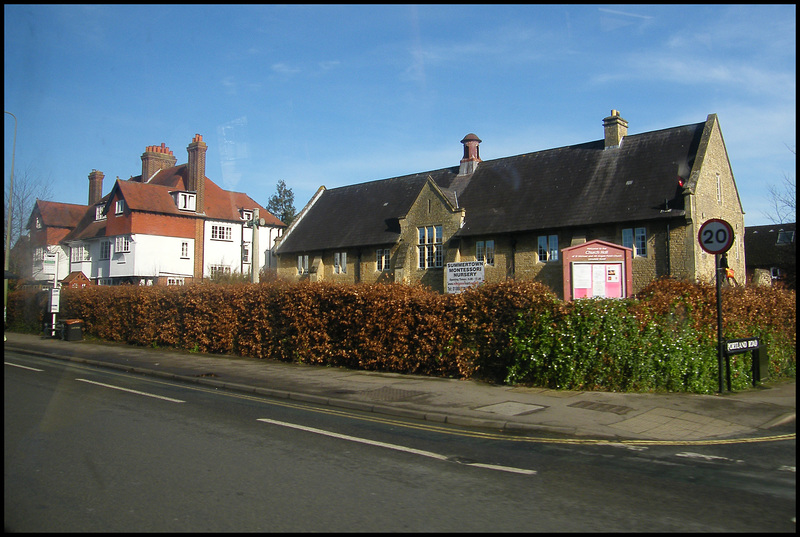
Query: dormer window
(186, 201)
(120, 207)
(246, 215)
(785, 237)
(98, 213)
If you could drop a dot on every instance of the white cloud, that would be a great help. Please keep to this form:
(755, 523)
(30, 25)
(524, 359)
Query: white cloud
(328, 65)
(284, 69)
(730, 75)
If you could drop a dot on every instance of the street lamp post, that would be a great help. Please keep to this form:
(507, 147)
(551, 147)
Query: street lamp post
(8, 226)
(255, 257)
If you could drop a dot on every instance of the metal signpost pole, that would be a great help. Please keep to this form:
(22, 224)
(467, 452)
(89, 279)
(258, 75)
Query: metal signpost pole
(8, 226)
(719, 322)
(255, 254)
(723, 269)
(55, 304)
(716, 237)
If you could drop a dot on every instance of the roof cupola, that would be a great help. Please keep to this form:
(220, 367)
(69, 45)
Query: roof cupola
(471, 154)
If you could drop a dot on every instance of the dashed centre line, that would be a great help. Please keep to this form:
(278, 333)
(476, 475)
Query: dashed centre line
(396, 447)
(137, 392)
(23, 366)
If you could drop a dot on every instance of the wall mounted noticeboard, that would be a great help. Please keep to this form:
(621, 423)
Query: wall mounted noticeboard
(597, 269)
(461, 276)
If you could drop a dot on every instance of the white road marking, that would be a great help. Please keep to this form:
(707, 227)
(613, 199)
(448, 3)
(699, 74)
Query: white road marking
(623, 446)
(132, 391)
(395, 447)
(23, 366)
(690, 455)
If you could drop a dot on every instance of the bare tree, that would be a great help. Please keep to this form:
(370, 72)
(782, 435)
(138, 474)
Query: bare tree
(28, 187)
(783, 198)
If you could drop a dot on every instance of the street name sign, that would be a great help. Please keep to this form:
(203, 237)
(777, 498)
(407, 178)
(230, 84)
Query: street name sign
(738, 346)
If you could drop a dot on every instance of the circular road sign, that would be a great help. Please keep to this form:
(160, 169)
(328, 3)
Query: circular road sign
(715, 236)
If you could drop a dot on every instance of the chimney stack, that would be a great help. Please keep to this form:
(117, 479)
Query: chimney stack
(615, 129)
(95, 186)
(154, 159)
(196, 181)
(471, 154)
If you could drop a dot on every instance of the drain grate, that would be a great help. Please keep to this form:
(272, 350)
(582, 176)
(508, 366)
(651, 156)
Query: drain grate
(602, 407)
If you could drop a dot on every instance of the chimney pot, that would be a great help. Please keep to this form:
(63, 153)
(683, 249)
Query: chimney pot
(196, 170)
(95, 186)
(154, 159)
(615, 129)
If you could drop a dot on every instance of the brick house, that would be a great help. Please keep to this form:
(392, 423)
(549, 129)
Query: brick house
(649, 192)
(170, 225)
(48, 224)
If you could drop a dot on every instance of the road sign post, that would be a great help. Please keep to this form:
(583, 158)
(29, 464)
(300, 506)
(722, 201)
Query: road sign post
(716, 237)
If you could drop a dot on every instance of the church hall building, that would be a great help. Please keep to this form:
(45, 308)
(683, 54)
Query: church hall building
(640, 198)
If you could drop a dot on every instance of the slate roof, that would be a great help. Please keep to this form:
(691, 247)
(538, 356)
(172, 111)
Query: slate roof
(582, 184)
(362, 214)
(571, 186)
(761, 245)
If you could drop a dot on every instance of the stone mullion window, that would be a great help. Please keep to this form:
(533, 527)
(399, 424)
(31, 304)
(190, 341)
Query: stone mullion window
(430, 248)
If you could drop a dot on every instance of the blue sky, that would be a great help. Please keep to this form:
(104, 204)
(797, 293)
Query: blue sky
(338, 95)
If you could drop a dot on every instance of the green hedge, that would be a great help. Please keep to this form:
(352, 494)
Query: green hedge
(512, 332)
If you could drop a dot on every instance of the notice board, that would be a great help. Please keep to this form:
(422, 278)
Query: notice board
(597, 269)
(461, 276)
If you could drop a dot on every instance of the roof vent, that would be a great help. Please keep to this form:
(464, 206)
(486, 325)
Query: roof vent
(471, 154)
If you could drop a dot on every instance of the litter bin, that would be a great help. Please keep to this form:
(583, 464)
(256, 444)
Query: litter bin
(72, 330)
(760, 365)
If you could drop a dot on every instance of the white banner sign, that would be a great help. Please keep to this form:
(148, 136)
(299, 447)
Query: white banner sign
(49, 263)
(55, 299)
(460, 276)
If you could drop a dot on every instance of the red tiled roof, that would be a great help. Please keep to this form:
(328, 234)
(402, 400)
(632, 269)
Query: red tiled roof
(146, 197)
(154, 196)
(76, 275)
(89, 227)
(56, 214)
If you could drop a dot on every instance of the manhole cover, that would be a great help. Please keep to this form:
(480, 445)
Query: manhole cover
(602, 407)
(511, 408)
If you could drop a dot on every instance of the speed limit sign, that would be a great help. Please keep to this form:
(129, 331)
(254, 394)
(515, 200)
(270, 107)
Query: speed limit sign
(716, 236)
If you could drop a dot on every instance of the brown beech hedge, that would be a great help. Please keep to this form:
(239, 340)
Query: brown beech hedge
(513, 332)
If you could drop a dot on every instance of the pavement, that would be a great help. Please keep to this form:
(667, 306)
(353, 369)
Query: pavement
(765, 411)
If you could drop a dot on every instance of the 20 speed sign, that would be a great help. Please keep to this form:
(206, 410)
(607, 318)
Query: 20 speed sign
(716, 236)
